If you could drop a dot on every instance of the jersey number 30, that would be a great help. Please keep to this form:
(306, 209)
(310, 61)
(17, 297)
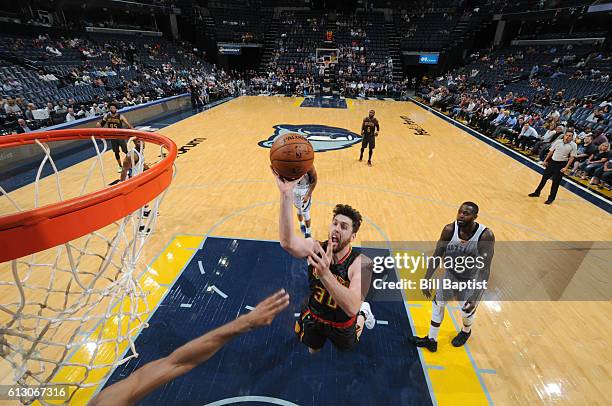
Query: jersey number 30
(320, 295)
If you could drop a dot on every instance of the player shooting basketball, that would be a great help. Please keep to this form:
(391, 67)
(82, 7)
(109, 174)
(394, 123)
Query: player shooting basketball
(462, 240)
(338, 275)
(302, 195)
(151, 376)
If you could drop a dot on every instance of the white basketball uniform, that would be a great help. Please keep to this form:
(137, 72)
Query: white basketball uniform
(300, 190)
(457, 247)
(135, 157)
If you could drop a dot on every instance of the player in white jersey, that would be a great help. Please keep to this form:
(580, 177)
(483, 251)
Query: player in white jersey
(132, 158)
(302, 199)
(466, 250)
(128, 170)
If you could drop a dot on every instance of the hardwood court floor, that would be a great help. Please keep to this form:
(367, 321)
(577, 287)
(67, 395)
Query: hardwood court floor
(528, 352)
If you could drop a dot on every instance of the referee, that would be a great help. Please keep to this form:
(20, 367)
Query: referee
(559, 159)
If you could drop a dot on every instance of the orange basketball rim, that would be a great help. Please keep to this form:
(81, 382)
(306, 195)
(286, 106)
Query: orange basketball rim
(26, 232)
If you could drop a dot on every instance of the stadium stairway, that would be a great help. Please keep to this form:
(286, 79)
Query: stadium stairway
(209, 23)
(270, 37)
(393, 44)
(463, 35)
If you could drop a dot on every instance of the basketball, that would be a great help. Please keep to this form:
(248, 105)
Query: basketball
(291, 156)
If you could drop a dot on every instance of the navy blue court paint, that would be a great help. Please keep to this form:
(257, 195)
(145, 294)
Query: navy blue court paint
(324, 102)
(271, 362)
(597, 200)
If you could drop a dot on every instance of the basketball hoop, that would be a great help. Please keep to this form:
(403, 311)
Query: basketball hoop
(35, 230)
(70, 265)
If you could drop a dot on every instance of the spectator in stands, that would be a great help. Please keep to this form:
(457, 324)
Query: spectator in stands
(554, 114)
(505, 126)
(541, 147)
(595, 161)
(82, 113)
(96, 110)
(595, 116)
(22, 126)
(70, 116)
(500, 120)
(61, 108)
(566, 114)
(527, 137)
(6, 87)
(204, 95)
(585, 150)
(46, 77)
(19, 101)
(50, 109)
(603, 175)
(11, 108)
(53, 51)
(587, 131)
(15, 84)
(513, 132)
(482, 118)
(599, 137)
(29, 115)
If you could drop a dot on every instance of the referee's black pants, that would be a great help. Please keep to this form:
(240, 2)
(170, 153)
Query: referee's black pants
(553, 170)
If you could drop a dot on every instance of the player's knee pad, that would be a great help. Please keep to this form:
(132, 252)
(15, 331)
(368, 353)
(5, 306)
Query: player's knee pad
(437, 314)
(468, 317)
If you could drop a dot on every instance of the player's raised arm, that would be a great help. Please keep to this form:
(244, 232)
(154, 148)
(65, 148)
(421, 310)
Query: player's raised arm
(297, 246)
(126, 122)
(143, 381)
(313, 183)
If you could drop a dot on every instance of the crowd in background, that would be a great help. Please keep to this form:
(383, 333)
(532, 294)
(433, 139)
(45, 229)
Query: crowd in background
(531, 125)
(119, 71)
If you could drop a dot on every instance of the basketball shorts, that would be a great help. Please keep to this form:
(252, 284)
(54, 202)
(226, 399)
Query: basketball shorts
(116, 145)
(303, 209)
(368, 141)
(444, 295)
(313, 333)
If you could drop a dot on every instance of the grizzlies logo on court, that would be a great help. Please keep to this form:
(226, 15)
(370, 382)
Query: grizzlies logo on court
(322, 137)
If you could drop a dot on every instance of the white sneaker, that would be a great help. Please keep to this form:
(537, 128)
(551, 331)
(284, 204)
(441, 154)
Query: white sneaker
(370, 321)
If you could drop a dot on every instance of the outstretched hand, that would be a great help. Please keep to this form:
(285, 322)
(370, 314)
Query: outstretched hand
(321, 262)
(268, 309)
(283, 184)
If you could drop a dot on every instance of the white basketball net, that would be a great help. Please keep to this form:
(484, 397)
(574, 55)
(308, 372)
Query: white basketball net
(80, 304)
